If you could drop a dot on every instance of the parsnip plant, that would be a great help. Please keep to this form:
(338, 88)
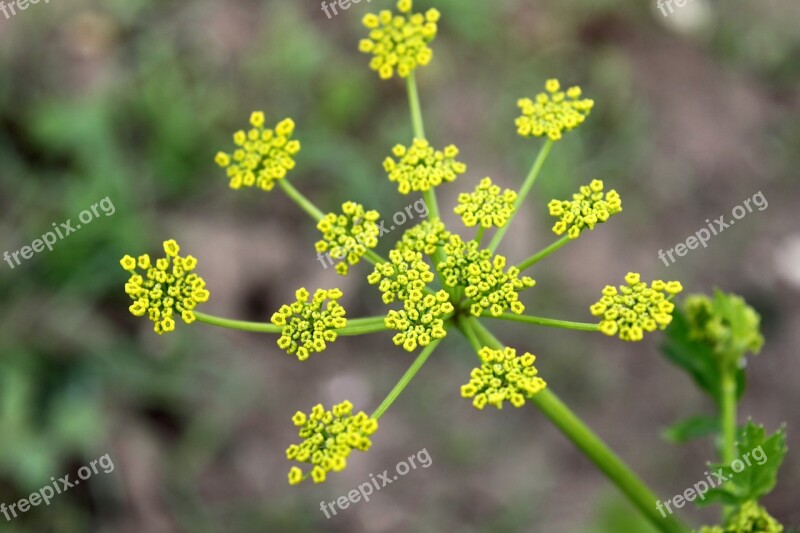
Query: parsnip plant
(435, 281)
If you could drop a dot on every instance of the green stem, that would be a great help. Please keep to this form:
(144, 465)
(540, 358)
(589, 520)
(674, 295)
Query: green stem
(304, 203)
(469, 333)
(362, 326)
(242, 325)
(416, 110)
(549, 322)
(419, 133)
(479, 235)
(428, 196)
(541, 254)
(594, 448)
(523, 192)
(373, 257)
(728, 423)
(406, 379)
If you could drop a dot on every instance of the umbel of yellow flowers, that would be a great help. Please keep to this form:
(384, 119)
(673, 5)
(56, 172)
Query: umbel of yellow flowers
(164, 288)
(399, 41)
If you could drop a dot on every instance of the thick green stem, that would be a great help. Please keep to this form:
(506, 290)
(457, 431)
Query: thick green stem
(538, 256)
(242, 325)
(298, 198)
(728, 423)
(549, 322)
(594, 448)
(406, 379)
(523, 192)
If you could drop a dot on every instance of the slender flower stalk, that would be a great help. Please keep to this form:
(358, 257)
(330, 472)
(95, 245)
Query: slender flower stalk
(304, 203)
(356, 326)
(429, 196)
(406, 379)
(241, 325)
(541, 254)
(591, 445)
(363, 326)
(479, 234)
(419, 133)
(523, 192)
(549, 322)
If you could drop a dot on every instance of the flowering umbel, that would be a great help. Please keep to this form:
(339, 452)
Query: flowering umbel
(425, 237)
(167, 288)
(587, 208)
(306, 326)
(486, 282)
(503, 376)
(404, 276)
(552, 112)
(263, 155)
(487, 205)
(328, 438)
(420, 168)
(636, 308)
(421, 320)
(399, 42)
(348, 236)
(473, 280)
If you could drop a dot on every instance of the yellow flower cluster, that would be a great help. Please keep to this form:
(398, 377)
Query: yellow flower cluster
(306, 326)
(425, 237)
(503, 376)
(636, 308)
(347, 236)
(421, 320)
(749, 518)
(403, 277)
(263, 155)
(483, 277)
(587, 208)
(399, 42)
(487, 205)
(328, 438)
(420, 168)
(167, 288)
(553, 112)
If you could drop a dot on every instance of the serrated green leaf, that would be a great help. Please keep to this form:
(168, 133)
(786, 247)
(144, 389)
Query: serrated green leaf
(692, 428)
(756, 468)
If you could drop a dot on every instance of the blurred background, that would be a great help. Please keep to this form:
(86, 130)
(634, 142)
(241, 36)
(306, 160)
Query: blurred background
(131, 99)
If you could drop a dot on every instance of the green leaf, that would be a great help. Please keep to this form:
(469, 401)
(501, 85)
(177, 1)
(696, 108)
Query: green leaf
(754, 473)
(692, 428)
(696, 357)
